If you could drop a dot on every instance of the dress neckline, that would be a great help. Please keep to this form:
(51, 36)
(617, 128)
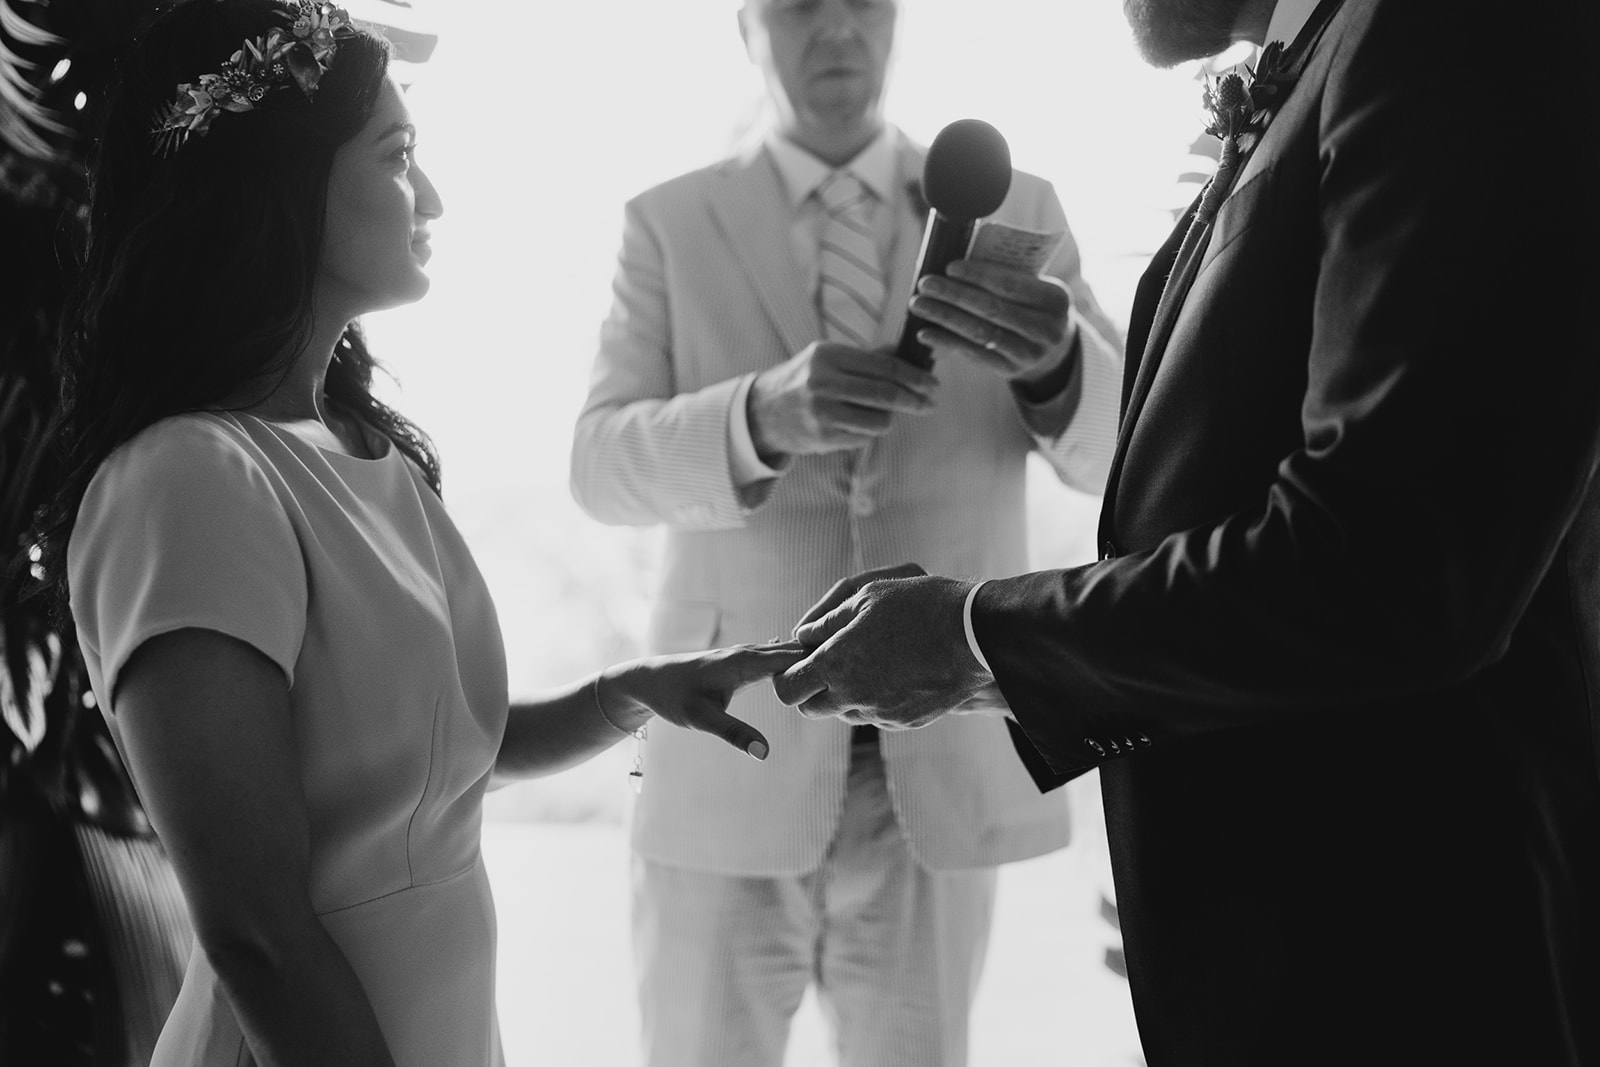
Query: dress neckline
(377, 443)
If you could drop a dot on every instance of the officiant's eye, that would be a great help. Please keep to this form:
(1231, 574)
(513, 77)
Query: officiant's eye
(406, 154)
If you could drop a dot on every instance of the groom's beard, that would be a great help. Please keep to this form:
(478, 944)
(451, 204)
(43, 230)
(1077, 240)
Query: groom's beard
(1169, 32)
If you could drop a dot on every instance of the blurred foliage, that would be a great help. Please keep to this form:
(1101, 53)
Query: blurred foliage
(60, 775)
(55, 56)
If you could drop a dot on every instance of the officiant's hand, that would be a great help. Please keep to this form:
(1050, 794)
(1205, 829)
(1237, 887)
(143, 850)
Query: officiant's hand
(693, 689)
(829, 398)
(1016, 324)
(888, 648)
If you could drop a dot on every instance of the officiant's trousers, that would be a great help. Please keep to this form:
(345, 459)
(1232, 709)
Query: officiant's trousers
(895, 950)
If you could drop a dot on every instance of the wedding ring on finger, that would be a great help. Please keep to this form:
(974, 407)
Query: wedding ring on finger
(992, 344)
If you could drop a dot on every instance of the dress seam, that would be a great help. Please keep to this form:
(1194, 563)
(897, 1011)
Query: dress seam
(468, 869)
(433, 751)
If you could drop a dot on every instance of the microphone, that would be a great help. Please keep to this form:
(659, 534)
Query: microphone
(966, 176)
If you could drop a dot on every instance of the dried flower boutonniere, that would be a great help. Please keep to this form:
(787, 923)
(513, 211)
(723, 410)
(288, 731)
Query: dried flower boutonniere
(1239, 107)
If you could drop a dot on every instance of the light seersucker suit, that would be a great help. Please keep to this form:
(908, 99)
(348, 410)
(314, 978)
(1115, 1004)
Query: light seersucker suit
(707, 293)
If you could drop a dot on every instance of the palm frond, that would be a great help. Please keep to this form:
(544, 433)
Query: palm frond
(23, 31)
(25, 122)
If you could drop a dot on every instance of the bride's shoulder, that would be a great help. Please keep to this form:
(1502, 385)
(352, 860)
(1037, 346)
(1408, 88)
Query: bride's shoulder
(193, 450)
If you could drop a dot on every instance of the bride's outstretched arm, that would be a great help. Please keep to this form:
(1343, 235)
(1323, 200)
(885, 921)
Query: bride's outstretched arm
(566, 726)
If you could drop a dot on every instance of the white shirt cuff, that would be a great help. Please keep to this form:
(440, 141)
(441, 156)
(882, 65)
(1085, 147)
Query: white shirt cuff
(744, 464)
(966, 624)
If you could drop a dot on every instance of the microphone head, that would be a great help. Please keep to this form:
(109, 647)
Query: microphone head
(968, 170)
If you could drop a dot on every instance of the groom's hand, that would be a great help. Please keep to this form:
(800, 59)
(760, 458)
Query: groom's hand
(845, 588)
(892, 652)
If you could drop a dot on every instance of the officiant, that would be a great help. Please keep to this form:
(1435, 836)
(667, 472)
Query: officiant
(744, 397)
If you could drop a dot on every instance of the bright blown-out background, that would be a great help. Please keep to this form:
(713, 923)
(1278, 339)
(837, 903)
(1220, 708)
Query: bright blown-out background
(536, 121)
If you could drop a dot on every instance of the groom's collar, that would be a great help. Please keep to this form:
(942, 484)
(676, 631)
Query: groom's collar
(1288, 19)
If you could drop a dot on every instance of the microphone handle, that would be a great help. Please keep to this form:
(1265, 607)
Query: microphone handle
(946, 239)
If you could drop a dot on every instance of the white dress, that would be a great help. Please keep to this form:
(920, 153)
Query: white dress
(349, 575)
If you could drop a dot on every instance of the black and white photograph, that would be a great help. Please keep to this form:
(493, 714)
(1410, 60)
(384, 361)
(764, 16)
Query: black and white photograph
(799, 533)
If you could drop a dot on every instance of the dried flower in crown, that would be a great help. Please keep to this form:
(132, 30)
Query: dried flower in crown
(298, 53)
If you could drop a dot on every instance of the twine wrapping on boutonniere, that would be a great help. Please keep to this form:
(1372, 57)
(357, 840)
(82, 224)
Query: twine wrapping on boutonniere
(1239, 107)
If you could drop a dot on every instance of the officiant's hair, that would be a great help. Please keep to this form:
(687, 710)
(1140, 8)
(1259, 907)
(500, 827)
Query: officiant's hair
(197, 276)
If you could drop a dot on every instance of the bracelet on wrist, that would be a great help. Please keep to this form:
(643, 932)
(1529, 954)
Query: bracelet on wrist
(636, 776)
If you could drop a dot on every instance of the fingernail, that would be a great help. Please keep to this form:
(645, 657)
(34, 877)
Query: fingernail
(758, 749)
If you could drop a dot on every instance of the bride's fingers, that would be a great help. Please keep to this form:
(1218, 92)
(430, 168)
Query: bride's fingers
(736, 732)
(749, 664)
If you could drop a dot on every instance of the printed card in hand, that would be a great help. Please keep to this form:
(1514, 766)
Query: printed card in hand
(1013, 246)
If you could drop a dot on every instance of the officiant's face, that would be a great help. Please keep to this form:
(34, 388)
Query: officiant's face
(1169, 32)
(824, 60)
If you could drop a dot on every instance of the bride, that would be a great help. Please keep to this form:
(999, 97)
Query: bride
(296, 655)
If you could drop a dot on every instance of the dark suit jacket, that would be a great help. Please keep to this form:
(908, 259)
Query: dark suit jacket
(1335, 674)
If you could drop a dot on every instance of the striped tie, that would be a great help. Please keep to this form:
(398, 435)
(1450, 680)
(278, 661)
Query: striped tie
(850, 280)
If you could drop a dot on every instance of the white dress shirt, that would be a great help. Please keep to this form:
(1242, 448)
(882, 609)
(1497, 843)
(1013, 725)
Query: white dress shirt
(878, 168)
(1288, 18)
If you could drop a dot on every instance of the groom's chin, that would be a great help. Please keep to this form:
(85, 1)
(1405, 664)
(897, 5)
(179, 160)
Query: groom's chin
(1169, 32)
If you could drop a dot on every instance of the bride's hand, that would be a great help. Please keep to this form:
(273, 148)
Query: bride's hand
(693, 689)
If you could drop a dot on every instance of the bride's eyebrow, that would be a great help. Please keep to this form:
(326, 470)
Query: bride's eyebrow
(396, 127)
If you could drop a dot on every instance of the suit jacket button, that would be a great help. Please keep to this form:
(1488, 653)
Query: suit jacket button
(1095, 746)
(861, 503)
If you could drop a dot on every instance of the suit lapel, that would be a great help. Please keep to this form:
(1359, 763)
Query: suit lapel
(752, 212)
(1184, 268)
(1147, 300)
(1148, 327)
(1165, 285)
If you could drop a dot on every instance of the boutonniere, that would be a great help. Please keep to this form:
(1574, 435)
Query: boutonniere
(1239, 107)
(919, 203)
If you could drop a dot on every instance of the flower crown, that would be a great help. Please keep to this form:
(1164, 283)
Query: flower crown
(298, 53)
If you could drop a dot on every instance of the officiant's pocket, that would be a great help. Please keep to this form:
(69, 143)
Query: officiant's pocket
(682, 626)
(1241, 211)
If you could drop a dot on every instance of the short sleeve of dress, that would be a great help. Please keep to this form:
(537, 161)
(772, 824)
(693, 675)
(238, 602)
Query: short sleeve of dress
(184, 527)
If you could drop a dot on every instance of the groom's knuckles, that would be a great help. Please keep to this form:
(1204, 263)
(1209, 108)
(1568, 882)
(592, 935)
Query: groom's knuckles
(797, 683)
(840, 592)
(834, 621)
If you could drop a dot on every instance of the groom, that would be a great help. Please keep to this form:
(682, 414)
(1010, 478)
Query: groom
(1337, 663)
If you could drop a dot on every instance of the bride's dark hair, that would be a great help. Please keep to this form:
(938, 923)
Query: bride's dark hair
(197, 277)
